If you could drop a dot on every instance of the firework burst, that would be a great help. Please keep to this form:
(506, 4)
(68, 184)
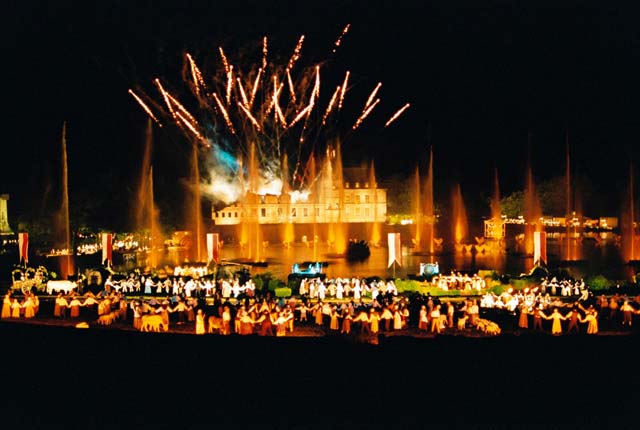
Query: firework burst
(277, 107)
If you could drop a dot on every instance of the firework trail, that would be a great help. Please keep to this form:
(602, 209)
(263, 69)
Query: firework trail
(145, 107)
(365, 114)
(276, 106)
(397, 114)
(339, 41)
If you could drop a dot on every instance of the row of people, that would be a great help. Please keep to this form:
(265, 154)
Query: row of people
(563, 287)
(458, 281)
(341, 288)
(178, 285)
(13, 307)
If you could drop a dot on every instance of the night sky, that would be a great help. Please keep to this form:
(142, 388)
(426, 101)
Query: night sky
(483, 79)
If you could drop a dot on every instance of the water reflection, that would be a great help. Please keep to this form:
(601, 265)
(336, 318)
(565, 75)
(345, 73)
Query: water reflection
(601, 256)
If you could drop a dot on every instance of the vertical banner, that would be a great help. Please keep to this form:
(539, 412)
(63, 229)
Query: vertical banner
(107, 248)
(213, 247)
(23, 247)
(539, 247)
(394, 249)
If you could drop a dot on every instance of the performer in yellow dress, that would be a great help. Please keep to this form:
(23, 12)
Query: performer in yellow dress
(6, 306)
(591, 318)
(557, 317)
(200, 322)
(15, 308)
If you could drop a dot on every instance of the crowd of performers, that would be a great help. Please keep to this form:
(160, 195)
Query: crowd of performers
(340, 288)
(263, 316)
(237, 309)
(458, 281)
(179, 285)
(533, 304)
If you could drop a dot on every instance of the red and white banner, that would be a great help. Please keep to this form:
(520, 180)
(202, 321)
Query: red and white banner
(107, 248)
(539, 247)
(23, 247)
(395, 252)
(213, 247)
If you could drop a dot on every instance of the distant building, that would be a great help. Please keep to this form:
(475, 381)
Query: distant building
(5, 229)
(354, 199)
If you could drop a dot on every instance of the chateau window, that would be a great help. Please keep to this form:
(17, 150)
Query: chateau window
(366, 198)
(294, 212)
(357, 211)
(305, 212)
(280, 212)
(357, 198)
(263, 212)
(317, 211)
(222, 214)
(347, 198)
(235, 214)
(366, 212)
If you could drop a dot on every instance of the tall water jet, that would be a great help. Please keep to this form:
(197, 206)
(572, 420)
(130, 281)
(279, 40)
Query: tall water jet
(630, 237)
(494, 227)
(573, 215)
(334, 177)
(66, 264)
(314, 190)
(154, 224)
(287, 233)
(496, 211)
(429, 216)
(459, 216)
(194, 210)
(376, 234)
(417, 212)
(251, 233)
(146, 215)
(532, 212)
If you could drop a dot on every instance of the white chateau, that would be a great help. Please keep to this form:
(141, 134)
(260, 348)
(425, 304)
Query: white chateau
(354, 199)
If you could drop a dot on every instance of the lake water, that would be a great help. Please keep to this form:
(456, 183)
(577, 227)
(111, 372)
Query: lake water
(601, 256)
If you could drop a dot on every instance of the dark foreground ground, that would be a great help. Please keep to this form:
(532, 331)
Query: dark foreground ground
(60, 377)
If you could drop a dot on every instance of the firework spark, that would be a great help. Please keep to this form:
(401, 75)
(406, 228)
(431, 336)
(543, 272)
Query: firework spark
(343, 90)
(264, 53)
(296, 54)
(196, 75)
(365, 114)
(397, 114)
(339, 41)
(145, 107)
(373, 94)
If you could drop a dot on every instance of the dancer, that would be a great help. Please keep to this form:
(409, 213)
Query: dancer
(557, 317)
(6, 306)
(200, 322)
(591, 318)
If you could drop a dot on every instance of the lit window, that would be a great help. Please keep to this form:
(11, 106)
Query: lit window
(357, 198)
(366, 198)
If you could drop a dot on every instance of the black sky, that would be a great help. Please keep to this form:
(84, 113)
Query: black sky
(482, 77)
